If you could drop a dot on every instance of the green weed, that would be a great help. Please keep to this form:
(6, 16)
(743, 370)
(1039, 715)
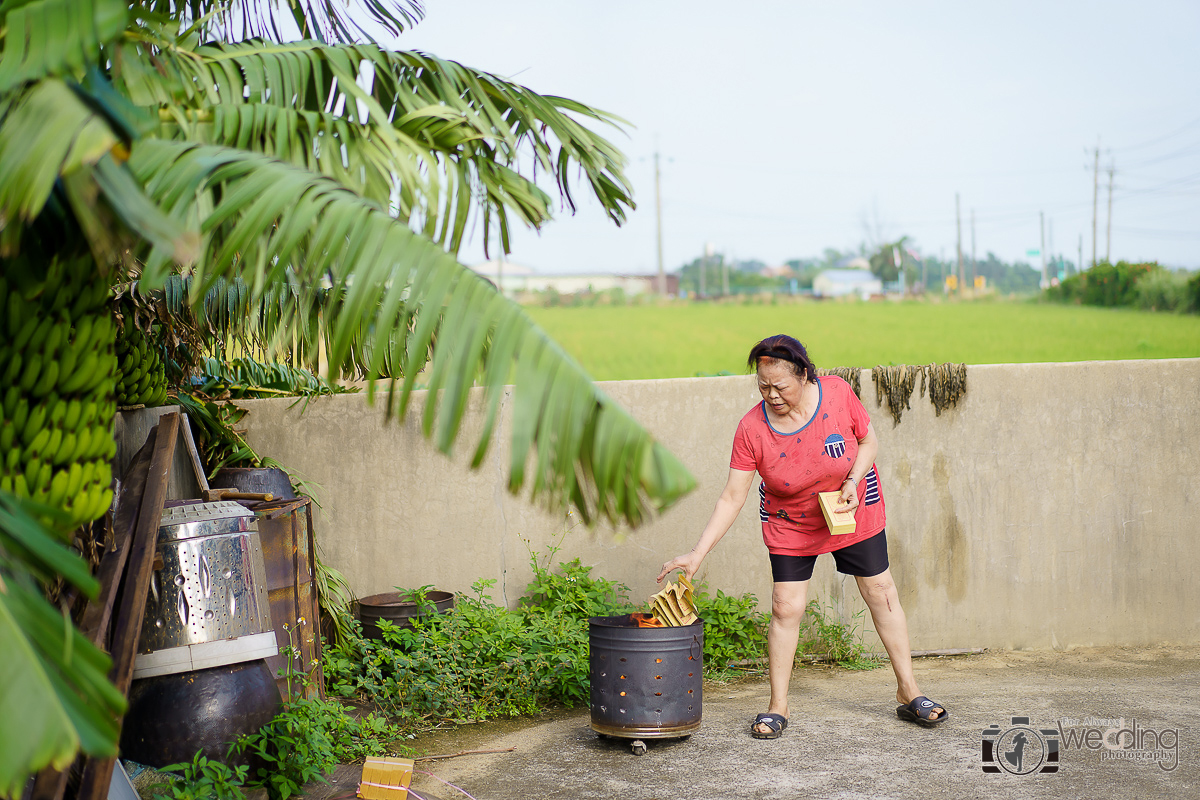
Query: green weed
(823, 633)
(734, 630)
(202, 779)
(481, 660)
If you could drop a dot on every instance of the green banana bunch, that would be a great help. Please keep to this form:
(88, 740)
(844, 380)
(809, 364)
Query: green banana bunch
(58, 368)
(142, 377)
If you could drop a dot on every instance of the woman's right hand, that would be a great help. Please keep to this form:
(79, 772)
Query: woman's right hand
(688, 562)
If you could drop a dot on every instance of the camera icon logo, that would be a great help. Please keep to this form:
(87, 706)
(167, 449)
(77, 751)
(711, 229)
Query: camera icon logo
(1019, 749)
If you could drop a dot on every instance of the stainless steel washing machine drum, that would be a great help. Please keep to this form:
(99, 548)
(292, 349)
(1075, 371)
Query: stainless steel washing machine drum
(207, 604)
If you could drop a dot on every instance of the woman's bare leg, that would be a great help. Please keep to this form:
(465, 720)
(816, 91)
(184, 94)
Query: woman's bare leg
(879, 593)
(783, 633)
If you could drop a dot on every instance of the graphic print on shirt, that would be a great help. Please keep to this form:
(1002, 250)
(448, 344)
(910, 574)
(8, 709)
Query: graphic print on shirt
(762, 502)
(835, 446)
(871, 496)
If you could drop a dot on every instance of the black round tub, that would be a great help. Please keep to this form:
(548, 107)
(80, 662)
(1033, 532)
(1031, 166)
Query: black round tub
(647, 683)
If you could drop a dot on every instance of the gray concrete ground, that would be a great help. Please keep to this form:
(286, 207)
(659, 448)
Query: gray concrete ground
(844, 740)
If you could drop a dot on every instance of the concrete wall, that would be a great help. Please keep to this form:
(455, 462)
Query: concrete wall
(1054, 507)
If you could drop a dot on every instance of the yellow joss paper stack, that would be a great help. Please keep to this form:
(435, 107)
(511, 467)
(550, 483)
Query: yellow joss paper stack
(385, 778)
(675, 605)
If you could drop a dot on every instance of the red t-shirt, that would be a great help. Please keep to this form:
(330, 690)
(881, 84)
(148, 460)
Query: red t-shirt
(794, 467)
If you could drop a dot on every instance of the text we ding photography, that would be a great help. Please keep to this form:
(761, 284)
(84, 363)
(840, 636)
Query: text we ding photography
(1024, 748)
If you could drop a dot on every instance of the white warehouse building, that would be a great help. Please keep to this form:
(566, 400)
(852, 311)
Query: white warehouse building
(844, 282)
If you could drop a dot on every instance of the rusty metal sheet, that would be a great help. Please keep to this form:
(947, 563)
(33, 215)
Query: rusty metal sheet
(286, 536)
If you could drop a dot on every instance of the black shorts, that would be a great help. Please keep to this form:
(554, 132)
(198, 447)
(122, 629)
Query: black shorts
(864, 559)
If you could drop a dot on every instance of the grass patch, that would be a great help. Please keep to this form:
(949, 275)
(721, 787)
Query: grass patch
(683, 340)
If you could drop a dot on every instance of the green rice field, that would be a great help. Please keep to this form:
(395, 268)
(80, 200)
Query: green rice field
(682, 340)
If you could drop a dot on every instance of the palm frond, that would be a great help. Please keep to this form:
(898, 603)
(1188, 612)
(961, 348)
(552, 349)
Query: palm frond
(245, 377)
(55, 680)
(277, 325)
(444, 141)
(274, 223)
(50, 132)
(327, 20)
(55, 37)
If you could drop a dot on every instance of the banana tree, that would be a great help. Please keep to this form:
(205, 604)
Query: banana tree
(335, 180)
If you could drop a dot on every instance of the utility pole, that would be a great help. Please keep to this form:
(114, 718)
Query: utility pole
(708, 250)
(662, 275)
(1095, 197)
(1042, 219)
(1079, 263)
(1112, 167)
(958, 218)
(703, 273)
(972, 249)
(1055, 263)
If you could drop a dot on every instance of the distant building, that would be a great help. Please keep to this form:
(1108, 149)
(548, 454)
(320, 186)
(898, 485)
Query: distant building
(508, 276)
(516, 279)
(844, 282)
(781, 271)
(854, 262)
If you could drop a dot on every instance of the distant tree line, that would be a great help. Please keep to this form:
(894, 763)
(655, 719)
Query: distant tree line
(1144, 285)
(1015, 277)
(886, 261)
(745, 277)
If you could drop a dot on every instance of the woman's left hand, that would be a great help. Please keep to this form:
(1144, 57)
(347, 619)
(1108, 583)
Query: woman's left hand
(848, 497)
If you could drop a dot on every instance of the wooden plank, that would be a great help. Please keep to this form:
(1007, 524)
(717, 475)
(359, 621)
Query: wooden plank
(287, 508)
(50, 783)
(98, 614)
(294, 538)
(314, 602)
(189, 444)
(97, 772)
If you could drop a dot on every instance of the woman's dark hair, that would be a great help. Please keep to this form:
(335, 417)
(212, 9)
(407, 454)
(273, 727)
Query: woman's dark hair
(784, 348)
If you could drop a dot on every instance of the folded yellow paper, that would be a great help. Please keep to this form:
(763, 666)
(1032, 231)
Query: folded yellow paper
(386, 778)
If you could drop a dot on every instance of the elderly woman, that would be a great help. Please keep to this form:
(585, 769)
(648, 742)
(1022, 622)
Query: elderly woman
(811, 435)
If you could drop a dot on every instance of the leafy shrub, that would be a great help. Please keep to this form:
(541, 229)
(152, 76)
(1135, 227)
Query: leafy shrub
(311, 737)
(481, 660)
(1103, 285)
(1163, 290)
(202, 779)
(734, 629)
(1193, 294)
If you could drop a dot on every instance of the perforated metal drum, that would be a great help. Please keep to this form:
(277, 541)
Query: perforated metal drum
(207, 604)
(647, 683)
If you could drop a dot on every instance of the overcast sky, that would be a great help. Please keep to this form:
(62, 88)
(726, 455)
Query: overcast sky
(789, 127)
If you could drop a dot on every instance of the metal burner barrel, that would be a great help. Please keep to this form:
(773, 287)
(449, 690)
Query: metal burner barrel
(647, 683)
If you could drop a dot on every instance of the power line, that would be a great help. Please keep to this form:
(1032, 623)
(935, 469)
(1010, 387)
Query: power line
(1187, 127)
(1158, 232)
(1190, 150)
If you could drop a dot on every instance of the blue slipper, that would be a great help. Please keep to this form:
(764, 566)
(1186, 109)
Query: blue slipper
(775, 722)
(920, 709)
